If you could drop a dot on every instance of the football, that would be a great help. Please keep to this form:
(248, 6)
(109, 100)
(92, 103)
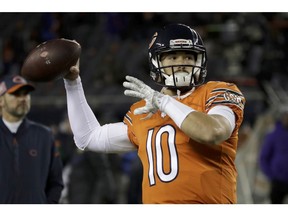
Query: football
(51, 60)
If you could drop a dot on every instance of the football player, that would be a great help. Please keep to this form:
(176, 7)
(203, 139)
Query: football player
(186, 135)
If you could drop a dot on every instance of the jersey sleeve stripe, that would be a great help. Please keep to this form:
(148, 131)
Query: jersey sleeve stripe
(127, 117)
(241, 106)
(220, 96)
(217, 90)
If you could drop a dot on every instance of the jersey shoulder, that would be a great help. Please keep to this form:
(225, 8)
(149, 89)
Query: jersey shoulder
(214, 85)
(224, 93)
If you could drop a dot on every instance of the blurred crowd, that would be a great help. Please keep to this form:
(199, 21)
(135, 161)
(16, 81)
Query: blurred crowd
(249, 49)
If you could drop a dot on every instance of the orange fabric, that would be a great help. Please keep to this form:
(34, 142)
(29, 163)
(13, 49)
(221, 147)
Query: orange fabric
(15, 88)
(177, 169)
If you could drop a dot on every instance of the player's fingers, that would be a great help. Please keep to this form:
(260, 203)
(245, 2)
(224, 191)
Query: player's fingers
(78, 63)
(131, 86)
(73, 73)
(141, 110)
(132, 93)
(74, 69)
(135, 80)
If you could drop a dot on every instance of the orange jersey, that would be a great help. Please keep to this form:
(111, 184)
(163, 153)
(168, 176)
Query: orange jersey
(177, 169)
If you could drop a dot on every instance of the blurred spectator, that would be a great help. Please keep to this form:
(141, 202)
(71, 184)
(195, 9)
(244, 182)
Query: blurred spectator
(116, 25)
(51, 26)
(132, 168)
(10, 65)
(274, 158)
(91, 180)
(64, 139)
(30, 165)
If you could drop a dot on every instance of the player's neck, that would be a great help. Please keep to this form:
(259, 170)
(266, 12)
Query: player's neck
(169, 92)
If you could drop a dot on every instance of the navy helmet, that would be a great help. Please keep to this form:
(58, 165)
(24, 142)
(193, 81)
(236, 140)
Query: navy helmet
(177, 37)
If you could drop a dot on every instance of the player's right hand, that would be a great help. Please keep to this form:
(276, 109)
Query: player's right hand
(74, 72)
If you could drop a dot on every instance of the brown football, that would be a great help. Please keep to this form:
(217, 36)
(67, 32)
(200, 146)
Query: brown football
(51, 60)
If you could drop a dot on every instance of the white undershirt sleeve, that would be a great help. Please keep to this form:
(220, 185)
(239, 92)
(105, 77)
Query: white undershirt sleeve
(226, 112)
(86, 128)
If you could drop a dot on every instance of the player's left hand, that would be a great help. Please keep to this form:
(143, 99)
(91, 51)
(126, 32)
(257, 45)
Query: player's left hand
(137, 88)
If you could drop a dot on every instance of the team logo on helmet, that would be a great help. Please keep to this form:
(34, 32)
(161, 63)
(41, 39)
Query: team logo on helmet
(153, 39)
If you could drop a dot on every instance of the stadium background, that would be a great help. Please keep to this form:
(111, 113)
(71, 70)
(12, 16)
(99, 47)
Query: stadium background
(249, 49)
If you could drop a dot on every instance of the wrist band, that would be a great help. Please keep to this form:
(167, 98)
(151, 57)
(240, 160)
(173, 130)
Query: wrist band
(175, 109)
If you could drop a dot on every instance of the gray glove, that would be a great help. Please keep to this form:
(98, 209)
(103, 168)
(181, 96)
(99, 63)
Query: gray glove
(137, 88)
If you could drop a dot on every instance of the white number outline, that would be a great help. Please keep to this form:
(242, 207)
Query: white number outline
(174, 161)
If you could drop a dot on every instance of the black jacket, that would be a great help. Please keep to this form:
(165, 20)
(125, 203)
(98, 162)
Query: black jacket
(30, 165)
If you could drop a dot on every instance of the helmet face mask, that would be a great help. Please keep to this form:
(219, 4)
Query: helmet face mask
(177, 38)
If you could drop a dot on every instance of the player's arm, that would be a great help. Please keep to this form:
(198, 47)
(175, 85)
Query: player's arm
(84, 124)
(211, 128)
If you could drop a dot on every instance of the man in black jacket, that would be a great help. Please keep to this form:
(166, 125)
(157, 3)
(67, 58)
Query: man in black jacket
(30, 165)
